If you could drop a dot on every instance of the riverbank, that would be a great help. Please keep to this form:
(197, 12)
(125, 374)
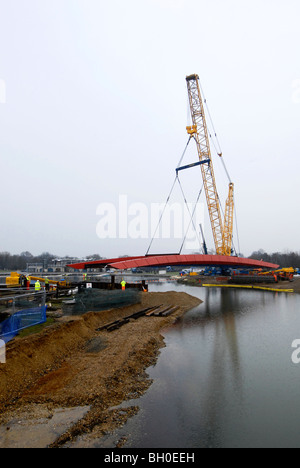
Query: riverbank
(68, 379)
(199, 281)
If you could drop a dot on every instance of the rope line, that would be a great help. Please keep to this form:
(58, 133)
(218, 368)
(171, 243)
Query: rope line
(168, 199)
(191, 216)
(183, 154)
(219, 149)
(161, 216)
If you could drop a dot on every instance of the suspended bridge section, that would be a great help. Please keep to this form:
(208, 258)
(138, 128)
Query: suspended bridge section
(153, 261)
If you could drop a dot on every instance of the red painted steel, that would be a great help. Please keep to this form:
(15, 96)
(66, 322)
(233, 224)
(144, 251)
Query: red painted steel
(175, 260)
(98, 263)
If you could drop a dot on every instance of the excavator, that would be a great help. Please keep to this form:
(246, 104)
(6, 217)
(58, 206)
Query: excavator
(222, 228)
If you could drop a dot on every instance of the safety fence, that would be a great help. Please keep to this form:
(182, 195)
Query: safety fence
(95, 300)
(20, 312)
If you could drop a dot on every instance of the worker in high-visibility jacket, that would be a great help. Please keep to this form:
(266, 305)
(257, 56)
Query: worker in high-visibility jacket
(28, 282)
(47, 284)
(123, 284)
(37, 286)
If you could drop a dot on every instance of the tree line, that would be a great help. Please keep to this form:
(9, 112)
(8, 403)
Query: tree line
(9, 262)
(285, 260)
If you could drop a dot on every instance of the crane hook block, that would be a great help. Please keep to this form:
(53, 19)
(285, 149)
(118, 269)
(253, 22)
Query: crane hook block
(192, 129)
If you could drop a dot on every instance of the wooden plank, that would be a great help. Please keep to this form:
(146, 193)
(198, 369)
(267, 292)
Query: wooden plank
(170, 311)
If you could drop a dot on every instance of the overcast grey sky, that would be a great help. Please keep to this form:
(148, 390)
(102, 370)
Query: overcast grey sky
(93, 106)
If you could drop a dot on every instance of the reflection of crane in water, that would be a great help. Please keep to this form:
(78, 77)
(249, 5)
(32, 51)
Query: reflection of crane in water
(228, 341)
(218, 316)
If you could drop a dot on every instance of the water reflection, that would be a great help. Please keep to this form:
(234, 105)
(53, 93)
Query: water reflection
(225, 341)
(215, 321)
(225, 378)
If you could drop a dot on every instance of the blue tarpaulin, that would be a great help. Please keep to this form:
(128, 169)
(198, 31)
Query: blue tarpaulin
(20, 320)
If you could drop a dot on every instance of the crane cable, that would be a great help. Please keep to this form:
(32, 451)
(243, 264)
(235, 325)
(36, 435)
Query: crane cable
(191, 215)
(220, 154)
(216, 145)
(183, 154)
(168, 199)
(161, 216)
(184, 197)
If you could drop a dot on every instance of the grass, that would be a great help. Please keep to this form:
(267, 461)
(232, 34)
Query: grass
(36, 328)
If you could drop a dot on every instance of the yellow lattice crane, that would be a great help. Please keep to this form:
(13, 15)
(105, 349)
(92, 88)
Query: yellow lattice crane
(222, 229)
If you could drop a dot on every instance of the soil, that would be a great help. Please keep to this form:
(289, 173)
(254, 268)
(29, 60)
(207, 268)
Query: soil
(295, 284)
(71, 369)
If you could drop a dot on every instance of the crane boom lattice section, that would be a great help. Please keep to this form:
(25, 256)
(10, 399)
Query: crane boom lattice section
(200, 133)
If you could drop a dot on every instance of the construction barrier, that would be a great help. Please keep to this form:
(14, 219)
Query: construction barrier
(32, 312)
(95, 300)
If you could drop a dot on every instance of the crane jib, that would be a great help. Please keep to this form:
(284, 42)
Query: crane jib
(205, 161)
(221, 228)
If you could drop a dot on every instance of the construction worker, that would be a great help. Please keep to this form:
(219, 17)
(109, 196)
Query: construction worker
(47, 285)
(23, 281)
(123, 284)
(37, 286)
(28, 282)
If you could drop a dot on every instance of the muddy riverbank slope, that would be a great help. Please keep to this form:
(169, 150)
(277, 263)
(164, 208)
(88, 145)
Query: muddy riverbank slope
(70, 364)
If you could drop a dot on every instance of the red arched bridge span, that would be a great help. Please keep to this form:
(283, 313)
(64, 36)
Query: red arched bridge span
(174, 260)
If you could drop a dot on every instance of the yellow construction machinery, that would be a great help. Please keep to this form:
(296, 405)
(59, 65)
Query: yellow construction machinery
(281, 274)
(16, 280)
(222, 229)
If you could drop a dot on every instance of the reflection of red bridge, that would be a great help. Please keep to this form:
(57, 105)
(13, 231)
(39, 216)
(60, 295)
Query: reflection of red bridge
(174, 260)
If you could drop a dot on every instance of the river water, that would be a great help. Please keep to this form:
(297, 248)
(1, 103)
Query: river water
(226, 377)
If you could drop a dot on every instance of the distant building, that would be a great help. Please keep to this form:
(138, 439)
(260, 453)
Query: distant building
(35, 268)
(57, 265)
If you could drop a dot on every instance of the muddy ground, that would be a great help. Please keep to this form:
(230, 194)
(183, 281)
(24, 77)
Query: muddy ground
(67, 380)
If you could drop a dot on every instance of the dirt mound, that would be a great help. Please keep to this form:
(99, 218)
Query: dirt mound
(70, 364)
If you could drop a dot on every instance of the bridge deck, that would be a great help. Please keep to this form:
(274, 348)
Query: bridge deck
(175, 260)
